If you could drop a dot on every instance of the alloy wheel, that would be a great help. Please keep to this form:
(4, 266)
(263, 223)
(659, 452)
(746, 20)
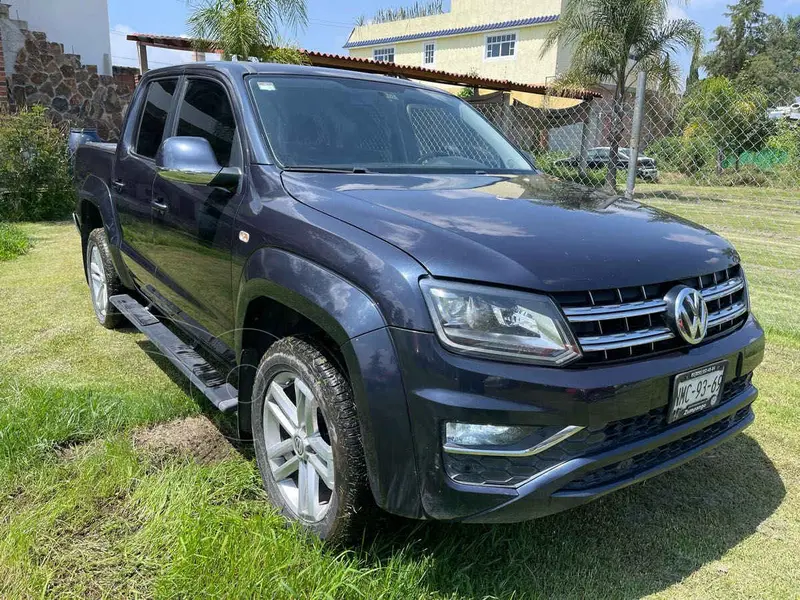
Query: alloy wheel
(97, 279)
(298, 447)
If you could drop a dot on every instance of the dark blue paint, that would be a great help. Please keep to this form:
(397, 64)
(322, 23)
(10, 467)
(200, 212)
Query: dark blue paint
(347, 251)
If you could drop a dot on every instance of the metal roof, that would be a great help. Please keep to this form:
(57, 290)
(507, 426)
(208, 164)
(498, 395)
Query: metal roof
(453, 31)
(366, 65)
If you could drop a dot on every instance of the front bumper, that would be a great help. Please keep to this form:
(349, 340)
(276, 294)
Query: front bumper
(623, 408)
(648, 173)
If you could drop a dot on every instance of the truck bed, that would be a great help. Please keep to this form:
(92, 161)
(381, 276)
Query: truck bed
(94, 159)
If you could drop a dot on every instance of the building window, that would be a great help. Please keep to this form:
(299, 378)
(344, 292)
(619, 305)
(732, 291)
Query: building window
(383, 54)
(498, 46)
(428, 53)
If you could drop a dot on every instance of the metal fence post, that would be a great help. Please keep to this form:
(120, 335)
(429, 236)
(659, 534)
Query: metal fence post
(587, 124)
(636, 134)
(508, 116)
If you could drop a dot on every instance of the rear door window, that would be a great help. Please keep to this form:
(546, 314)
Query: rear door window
(154, 116)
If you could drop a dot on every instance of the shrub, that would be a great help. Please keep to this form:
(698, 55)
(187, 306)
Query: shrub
(745, 175)
(786, 138)
(13, 241)
(688, 154)
(35, 181)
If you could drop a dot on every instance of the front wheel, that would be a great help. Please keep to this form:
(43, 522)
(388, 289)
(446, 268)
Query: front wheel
(307, 441)
(103, 279)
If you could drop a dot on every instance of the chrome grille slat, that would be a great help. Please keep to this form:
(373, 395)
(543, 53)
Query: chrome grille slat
(625, 340)
(607, 331)
(615, 311)
(723, 289)
(727, 314)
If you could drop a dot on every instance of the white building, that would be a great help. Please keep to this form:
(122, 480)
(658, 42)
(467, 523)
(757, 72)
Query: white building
(81, 25)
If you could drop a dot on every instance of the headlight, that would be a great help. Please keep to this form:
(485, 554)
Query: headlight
(500, 324)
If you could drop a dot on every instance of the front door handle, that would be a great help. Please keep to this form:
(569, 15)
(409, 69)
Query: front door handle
(118, 185)
(160, 205)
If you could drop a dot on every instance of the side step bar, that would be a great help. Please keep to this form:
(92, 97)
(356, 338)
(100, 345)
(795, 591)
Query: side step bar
(202, 375)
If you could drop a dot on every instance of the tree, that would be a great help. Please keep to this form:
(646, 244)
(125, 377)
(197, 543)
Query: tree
(732, 118)
(612, 40)
(739, 41)
(776, 68)
(247, 28)
(694, 66)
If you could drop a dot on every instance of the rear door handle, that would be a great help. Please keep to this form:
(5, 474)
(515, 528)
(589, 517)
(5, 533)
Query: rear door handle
(160, 205)
(118, 185)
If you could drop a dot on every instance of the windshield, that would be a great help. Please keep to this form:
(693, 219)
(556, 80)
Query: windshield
(353, 124)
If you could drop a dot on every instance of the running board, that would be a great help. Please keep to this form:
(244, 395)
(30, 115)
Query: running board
(202, 375)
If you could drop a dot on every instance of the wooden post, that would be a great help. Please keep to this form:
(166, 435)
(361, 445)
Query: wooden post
(142, 48)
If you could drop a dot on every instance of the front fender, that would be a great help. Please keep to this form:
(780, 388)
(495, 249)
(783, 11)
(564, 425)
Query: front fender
(338, 307)
(355, 323)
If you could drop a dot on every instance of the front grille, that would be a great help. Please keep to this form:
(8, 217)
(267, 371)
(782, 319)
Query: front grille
(642, 462)
(511, 471)
(623, 323)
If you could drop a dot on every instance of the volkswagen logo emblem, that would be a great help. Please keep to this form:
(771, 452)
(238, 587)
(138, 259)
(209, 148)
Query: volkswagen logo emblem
(687, 313)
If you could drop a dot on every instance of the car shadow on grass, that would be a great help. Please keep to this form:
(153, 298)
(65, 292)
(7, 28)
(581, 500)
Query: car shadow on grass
(226, 423)
(631, 543)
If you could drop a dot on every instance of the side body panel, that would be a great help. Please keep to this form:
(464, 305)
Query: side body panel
(194, 225)
(94, 165)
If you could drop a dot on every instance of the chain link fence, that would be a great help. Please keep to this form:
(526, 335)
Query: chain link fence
(691, 146)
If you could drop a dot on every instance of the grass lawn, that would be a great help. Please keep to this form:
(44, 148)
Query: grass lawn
(89, 510)
(13, 241)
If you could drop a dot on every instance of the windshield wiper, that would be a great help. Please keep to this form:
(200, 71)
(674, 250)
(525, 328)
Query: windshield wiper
(315, 169)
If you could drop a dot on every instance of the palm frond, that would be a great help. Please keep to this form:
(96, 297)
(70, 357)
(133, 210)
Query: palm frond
(244, 28)
(612, 39)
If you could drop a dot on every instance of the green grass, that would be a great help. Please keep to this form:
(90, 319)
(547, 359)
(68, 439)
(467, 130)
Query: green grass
(85, 513)
(13, 242)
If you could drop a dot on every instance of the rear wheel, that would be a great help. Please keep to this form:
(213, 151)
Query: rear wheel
(307, 441)
(103, 279)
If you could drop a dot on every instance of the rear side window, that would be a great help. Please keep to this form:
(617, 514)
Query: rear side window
(206, 112)
(154, 116)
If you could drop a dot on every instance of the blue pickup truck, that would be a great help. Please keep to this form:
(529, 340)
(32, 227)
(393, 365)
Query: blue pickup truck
(403, 312)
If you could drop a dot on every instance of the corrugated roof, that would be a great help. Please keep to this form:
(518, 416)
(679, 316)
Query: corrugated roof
(453, 31)
(337, 61)
(322, 59)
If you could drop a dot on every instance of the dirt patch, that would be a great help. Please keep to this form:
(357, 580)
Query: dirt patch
(194, 437)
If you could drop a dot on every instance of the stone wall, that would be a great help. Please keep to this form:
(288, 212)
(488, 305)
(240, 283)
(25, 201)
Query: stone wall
(38, 71)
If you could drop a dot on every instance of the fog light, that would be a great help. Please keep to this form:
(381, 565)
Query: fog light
(467, 434)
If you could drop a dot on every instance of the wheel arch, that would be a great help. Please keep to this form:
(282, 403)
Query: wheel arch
(299, 295)
(95, 209)
(275, 279)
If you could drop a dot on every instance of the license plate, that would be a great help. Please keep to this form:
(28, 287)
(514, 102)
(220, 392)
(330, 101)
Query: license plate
(696, 391)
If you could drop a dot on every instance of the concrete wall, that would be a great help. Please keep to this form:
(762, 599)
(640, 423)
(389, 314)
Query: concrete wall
(466, 53)
(81, 25)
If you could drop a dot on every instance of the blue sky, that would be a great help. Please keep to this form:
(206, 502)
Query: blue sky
(330, 23)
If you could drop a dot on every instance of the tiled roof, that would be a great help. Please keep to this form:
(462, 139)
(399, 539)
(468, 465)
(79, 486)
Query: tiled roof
(454, 31)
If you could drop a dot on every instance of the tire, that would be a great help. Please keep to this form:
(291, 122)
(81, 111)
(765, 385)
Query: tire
(299, 464)
(103, 279)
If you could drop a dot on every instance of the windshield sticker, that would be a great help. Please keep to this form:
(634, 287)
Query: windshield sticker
(266, 86)
(389, 95)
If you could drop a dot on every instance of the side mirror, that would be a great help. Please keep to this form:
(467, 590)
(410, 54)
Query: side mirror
(191, 160)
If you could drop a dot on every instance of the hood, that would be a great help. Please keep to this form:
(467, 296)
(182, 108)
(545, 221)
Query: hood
(528, 231)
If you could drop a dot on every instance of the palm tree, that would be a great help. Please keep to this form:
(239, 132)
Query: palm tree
(246, 28)
(612, 40)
